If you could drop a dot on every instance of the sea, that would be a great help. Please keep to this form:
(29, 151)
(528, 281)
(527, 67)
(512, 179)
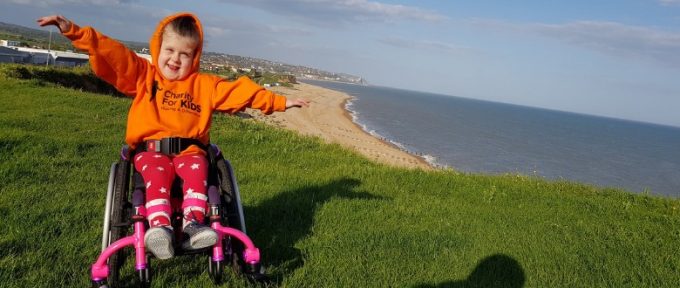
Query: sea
(478, 136)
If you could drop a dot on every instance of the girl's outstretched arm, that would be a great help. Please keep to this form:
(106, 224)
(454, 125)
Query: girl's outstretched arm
(109, 59)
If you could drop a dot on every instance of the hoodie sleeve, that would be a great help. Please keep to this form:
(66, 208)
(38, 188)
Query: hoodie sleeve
(232, 97)
(109, 59)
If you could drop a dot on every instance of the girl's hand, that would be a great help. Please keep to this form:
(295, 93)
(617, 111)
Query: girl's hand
(297, 103)
(57, 20)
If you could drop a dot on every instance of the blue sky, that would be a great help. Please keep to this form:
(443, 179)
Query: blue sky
(611, 58)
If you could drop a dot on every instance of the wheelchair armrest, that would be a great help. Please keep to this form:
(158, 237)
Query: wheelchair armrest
(125, 153)
(214, 149)
(213, 196)
(137, 198)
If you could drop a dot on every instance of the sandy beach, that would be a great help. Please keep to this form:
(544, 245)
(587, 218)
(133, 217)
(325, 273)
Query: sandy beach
(327, 118)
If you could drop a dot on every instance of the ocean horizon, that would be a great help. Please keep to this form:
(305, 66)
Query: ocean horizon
(477, 136)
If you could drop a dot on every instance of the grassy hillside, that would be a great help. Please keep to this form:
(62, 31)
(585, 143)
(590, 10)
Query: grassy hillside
(322, 216)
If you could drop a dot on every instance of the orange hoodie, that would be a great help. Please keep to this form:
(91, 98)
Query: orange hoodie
(180, 108)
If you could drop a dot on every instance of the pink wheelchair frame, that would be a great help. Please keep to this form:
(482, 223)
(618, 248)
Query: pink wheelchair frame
(100, 270)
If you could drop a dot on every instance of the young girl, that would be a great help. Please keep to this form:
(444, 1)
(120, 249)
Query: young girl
(170, 116)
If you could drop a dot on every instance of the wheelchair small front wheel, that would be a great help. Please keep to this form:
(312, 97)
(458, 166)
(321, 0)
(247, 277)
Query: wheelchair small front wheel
(99, 284)
(255, 273)
(144, 277)
(215, 270)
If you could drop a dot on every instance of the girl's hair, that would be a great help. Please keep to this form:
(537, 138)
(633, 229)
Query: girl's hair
(185, 26)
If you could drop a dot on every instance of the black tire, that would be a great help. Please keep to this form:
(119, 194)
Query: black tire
(144, 278)
(235, 256)
(256, 274)
(119, 215)
(230, 216)
(225, 184)
(215, 270)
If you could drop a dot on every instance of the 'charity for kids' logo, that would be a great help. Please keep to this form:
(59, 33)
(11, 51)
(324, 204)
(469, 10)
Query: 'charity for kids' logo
(182, 102)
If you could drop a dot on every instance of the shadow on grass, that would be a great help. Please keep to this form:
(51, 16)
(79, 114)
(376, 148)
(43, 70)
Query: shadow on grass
(287, 218)
(495, 271)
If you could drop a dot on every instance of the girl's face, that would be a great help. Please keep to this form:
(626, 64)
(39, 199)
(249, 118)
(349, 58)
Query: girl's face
(176, 56)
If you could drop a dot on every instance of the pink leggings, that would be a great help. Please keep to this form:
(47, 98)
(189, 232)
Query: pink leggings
(158, 171)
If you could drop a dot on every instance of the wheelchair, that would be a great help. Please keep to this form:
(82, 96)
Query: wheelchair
(125, 224)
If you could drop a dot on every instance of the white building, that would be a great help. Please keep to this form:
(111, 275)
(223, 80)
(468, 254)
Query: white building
(9, 43)
(12, 54)
(58, 58)
(9, 53)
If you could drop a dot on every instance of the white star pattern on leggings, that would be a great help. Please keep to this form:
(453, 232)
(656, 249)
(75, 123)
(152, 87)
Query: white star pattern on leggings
(144, 167)
(163, 190)
(195, 166)
(148, 184)
(180, 165)
(160, 168)
(138, 157)
(157, 156)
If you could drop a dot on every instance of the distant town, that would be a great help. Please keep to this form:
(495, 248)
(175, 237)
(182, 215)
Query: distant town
(20, 44)
(217, 61)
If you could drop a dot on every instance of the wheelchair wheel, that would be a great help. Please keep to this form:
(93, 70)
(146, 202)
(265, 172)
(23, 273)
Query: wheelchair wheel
(144, 277)
(232, 214)
(215, 270)
(119, 224)
(231, 198)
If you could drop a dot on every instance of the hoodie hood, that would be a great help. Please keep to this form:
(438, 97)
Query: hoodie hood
(157, 38)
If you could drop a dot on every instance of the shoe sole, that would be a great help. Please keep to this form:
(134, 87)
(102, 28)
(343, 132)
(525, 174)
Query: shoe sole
(201, 240)
(160, 247)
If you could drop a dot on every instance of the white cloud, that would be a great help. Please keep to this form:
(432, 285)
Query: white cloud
(618, 39)
(333, 12)
(372, 8)
(609, 38)
(669, 2)
(46, 3)
(422, 45)
(223, 25)
(42, 3)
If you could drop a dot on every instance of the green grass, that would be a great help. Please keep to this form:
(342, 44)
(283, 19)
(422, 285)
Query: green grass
(322, 216)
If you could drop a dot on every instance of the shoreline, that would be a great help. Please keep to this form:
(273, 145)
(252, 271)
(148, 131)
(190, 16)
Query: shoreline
(348, 115)
(328, 118)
